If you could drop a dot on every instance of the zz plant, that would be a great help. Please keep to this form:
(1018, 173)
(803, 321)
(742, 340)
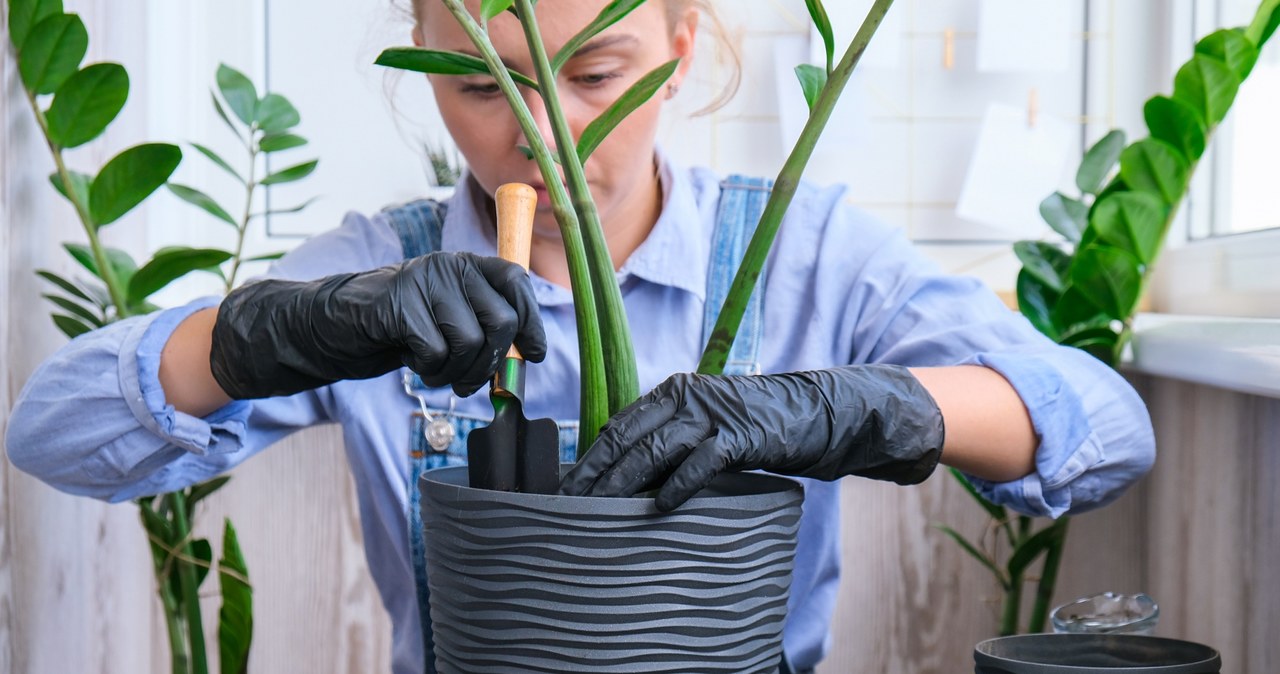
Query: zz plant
(50, 45)
(1085, 293)
(609, 380)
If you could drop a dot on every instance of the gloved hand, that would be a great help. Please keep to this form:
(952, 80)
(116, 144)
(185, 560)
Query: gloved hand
(449, 317)
(874, 421)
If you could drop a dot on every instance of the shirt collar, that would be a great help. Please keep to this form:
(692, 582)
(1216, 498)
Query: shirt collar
(674, 254)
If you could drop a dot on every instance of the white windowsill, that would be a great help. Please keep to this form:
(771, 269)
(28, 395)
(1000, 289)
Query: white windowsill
(1240, 354)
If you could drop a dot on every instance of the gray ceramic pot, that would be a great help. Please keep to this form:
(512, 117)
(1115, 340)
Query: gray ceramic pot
(533, 583)
(1093, 654)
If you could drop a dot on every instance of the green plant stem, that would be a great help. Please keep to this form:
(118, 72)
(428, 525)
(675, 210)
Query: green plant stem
(172, 622)
(187, 583)
(105, 271)
(619, 353)
(1012, 606)
(1048, 577)
(594, 404)
(784, 188)
(244, 219)
(1260, 19)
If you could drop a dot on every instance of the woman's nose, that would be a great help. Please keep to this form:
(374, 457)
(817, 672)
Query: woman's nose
(540, 119)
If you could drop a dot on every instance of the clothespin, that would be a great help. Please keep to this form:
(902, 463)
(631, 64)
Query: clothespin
(949, 49)
(1033, 108)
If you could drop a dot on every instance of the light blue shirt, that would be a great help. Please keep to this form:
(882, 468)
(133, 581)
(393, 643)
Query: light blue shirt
(841, 289)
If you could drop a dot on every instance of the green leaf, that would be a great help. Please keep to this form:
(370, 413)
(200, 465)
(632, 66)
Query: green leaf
(239, 93)
(222, 163)
(812, 79)
(1045, 261)
(492, 8)
(119, 260)
(528, 153)
(1074, 310)
(611, 14)
(275, 142)
(1098, 161)
(67, 286)
(1176, 123)
(169, 265)
(1030, 548)
(74, 309)
(291, 209)
(235, 619)
(632, 98)
(1065, 215)
(1109, 277)
(1131, 221)
(71, 327)
(204, 489)
(27, 14)
(1268, 28)
(295, 172)
(973, 552)
(819, 15)
(437, 62)
(997, 512)
(1208, 86)
(222, 112)
(276, 114)
(1230, 46)
(1099, 342)
(80, 185)
(203, 551)
(1036, 301)
(1154, 166)
(266, 257)
(84, 255)
(130, 177)
(197, 198)
(86, 103)
(52, 52)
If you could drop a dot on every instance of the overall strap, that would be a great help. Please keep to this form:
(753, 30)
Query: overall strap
(418, 223)
(742, 201)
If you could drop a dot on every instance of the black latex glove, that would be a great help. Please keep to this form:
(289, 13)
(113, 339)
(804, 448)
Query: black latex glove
(874, 421)
(449, 317)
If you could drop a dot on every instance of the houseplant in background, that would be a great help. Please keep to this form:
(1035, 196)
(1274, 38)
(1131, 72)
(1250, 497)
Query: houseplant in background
(570, 613)
(1085, 293)
(50, 45)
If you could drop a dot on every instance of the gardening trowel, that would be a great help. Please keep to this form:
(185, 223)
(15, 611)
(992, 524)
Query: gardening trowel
(514, 453)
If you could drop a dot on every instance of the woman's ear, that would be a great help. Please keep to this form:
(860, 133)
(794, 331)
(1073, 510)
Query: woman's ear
(683, 39)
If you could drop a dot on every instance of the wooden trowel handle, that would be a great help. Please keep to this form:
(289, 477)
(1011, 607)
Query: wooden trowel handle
(517, 203)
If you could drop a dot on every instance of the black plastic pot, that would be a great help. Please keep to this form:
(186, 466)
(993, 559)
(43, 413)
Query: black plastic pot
(535, 583)
(1093, 654)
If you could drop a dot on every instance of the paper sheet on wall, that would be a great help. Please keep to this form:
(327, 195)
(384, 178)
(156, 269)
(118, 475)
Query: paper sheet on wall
(1024, 35)
(846, 17)
(1013, 168)
(848, 120)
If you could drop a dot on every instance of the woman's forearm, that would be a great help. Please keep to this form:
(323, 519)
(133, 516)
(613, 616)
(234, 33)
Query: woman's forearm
(185, 375)
(988, 430)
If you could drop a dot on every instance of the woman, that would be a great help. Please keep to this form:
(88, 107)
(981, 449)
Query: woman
(874, 363)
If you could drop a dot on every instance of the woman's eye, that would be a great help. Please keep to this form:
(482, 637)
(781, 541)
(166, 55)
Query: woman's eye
(487, 90)
(594, 79)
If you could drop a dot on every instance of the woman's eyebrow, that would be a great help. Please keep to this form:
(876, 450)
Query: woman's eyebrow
(606, 42)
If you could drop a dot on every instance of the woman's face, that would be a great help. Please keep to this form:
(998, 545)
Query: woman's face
(486, 132)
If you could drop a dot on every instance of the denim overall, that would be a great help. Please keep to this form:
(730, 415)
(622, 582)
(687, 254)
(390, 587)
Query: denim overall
(419, 224)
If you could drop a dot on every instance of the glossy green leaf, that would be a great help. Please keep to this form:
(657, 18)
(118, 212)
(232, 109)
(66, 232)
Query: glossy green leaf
(1230, 46)
(75, 309)
(267, 257)
(1030, 548)
(1268, 28)
(1154, 166)
(130, 177)
(997, 512)
(611, 14)
(1074, 310)
(1064, 215)
(812, 79)
(1097, 162)
(1036, 301)
(203, 490)
(1098, 342)
(67, 286)
(1045, 261)
(823, 23)
(203, 201)
(80, 185)
(168, 265)
(202, 551)
(120, 261)
(222, 163)
(1208, 85)
(86, 103)
(276, 142)
(632, 98)
(492, 8)
(239, 93)
(1109, 277)
(295, 172)
(27, 14)
(222, 113)
(276, 114)
(973, 552)
(1131, 221)
(52, 52)
(1176, 123)
(435, 62)
(71, 327)
(235, 618)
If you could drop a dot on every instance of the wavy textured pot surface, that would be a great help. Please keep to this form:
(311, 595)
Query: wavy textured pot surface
(533, 583)
(1093, 654)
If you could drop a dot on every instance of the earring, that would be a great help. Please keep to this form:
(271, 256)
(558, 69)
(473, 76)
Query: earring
(672, 90)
